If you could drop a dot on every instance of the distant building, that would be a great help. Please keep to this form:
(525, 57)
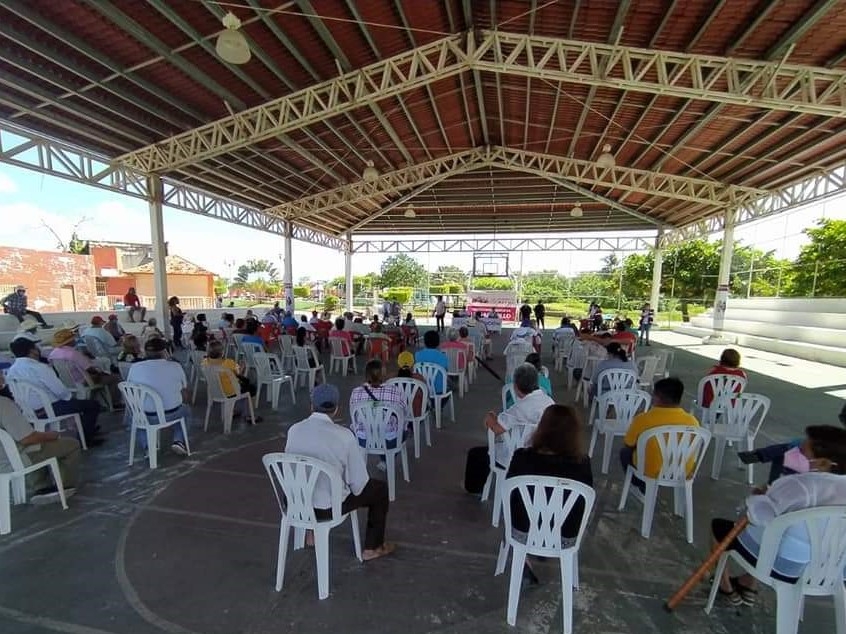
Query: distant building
(55, 282)
(184, 279)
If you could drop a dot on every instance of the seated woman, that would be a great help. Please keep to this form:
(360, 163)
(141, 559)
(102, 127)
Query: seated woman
(302, 342)
(543, 381)
(820, 464)
(729, 364)
(557, 449)
(617, 359)
(151, 328)
(130, 349)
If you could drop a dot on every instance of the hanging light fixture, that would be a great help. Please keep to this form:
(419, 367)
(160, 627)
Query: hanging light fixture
(576, 212)
(370, 173)
(606, 159)
(231, 44)
(409, 212)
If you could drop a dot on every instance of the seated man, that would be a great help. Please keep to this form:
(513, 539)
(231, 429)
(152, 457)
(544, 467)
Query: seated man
(251, 329)
(16, 304)
(289, 321)
(526, 412)
(96, 331)
(35, 446)
(375, 389)
(215, 357)
(29, 367)
(319, 437)
(454, 343)
(82, 367)
(525, 331)
(132, 303)
(666, 410)
(431, 354)
(167, 379)
(114, 328)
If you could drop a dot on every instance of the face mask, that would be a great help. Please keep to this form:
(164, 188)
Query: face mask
(796, 461)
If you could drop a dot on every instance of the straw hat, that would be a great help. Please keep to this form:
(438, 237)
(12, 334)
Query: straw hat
(63, 337)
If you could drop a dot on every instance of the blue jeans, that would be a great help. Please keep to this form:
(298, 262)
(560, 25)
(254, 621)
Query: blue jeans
(183, 411)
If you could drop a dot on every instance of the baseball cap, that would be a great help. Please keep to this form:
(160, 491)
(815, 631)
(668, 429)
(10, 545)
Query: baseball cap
(96, 319)
(325, 398)
(405, 359)
(113, 317)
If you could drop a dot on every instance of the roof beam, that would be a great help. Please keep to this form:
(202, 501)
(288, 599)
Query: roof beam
(400, 201)
(491, 245)
(390, 77)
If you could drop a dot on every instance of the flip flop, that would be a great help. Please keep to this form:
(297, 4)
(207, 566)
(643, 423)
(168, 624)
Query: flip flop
(383, 551)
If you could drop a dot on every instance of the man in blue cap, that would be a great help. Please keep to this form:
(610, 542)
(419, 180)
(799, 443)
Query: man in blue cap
(318, 436)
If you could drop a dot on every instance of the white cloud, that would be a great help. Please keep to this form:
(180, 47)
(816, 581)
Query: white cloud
(7, 185)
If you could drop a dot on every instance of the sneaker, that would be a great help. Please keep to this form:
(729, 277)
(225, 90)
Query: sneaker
(178, 447)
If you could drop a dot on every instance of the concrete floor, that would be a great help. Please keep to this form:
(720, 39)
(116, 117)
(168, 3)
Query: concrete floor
(191, 546)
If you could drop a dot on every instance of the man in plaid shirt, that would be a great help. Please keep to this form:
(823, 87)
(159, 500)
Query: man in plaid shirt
(375, 390)
(15, 304)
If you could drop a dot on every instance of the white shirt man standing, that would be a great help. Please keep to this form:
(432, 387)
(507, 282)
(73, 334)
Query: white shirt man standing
(167, 379)
(318, 436)
(440, 312)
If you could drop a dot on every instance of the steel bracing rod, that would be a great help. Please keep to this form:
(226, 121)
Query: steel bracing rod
(386, 185)
(772, 85)
(468, 245)
(818, 187)
(21, 148)
(387, 78)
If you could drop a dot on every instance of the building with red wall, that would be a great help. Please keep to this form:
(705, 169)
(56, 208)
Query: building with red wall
(55, 282)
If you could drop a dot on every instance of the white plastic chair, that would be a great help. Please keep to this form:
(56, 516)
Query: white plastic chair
(611, 380)
(123, 368)
(294, 479)
(25, 392)
(583, 387)
(455, 360)
(214, 373)
(248, 350)
(374, 417)
(615, 411)
(508, 390)
(13, 483)
(515, 355)
(286, 345)
(647, 367)
(548, 502)
(196, 373)
(139, 400)
(561, 346)
(341, 357)
(822, 576)
(304, 370)
(510, 440)
(472, 362)
(665, 361)
(724, 388)
(740, 423)
(269, 375)
(431, 372)
(679, 445)
(85, 389)
(411, 388)
(576, 361)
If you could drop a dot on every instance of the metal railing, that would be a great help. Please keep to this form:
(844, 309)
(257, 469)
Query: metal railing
(111, 302)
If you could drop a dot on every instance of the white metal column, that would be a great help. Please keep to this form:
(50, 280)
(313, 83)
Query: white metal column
(288, 273)
(154, 186)
(348, 276)
(721, 297)
(657, 264)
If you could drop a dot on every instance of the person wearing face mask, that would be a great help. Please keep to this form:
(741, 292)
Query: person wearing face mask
(819, 466)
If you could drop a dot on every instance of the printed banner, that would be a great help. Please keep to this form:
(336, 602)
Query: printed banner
(720, 303)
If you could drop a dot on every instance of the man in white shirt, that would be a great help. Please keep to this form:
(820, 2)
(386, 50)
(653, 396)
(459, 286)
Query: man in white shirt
(525, 413)
(96, 331)
(167, 379)
(319, 437)
(525, 331)
(29, 367)
(440, 312)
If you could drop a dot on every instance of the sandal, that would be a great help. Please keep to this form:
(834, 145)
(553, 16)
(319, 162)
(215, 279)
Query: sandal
(747, 594)
(732, 597)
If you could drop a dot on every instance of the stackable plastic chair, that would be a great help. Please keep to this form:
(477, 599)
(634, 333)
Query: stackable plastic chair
(25, 392)
(13, 483)
(374, 416)
(510, 440)
(294, 479)
(679, 445)
(302, 369)
(548, 502)
(271, 376)
(724, 388)
(821, 577)
(411, 388)
(740, 422)
(611, 380)
(139, 400)
(84, 389)
(576, 361)
(431, 372)
(614, 413)
(286, 345)
(342, 354)
(647, 367)
(457, 362)
(227, 403)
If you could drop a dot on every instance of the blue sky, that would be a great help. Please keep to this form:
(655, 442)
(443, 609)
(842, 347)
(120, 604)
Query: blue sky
(30, 200)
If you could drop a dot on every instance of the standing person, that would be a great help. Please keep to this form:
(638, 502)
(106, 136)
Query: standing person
(439, 312)
(647, 315)
(319, 437)
(29, 367)
(176, 317)
(540, 313)
(167, 379)
(132, 303)
(16, 304)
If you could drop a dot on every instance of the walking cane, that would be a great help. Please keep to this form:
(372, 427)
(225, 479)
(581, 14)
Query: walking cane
(488, 368)
(700, 572)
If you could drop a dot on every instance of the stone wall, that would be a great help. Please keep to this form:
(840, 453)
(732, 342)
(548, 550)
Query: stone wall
(55, 282)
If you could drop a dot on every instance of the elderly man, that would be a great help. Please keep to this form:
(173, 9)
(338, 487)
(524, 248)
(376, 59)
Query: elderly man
(167, 379)
(319, 437)
(82, 367)
(29, 367)
(526, 413)
(132, 303)
(16, 304)
(96, 331)
(114, 328)
(35, 446)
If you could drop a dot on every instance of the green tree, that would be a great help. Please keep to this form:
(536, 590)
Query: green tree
(255, 270)
(819, 266)
(302, 292)
(450, 276)
(402, 270)
(398, 294)
(548, 286)
(493, 283)
(221, 286)
(330, 303)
